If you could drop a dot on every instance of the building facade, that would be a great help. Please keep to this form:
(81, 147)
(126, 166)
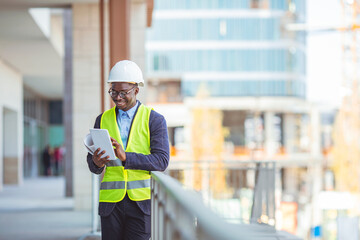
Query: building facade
(243, 55)
(238, 58)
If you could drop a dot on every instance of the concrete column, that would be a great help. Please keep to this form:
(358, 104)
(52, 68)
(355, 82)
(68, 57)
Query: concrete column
(20, 134)
(86, 94)
(315, 133)
(289, 132)
(11, 145)
(316, 165)
(127, 27)
(119, 24)
(106, 53)
(1, 148)
(11, 126)
(317, 174)
(68, 99)
(137, 39)
(270, 144)
(291, 182)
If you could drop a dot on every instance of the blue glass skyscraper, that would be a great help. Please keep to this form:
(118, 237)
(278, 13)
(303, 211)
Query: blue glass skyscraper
(252, 66)
(236, 47)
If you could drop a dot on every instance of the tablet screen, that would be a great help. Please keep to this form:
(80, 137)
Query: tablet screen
(101, 139)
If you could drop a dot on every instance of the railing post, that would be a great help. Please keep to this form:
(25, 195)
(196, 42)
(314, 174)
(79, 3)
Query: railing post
(95, 200)
(154, 211)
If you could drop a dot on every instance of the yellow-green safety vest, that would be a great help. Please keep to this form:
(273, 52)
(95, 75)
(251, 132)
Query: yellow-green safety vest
(118, 181)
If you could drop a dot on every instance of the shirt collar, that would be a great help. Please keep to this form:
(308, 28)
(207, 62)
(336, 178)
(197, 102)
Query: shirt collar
(130, 112)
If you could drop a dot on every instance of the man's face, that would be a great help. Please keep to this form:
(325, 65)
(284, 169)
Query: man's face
(129, 100)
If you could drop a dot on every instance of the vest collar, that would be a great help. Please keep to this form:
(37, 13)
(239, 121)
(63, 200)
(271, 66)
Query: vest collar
(138, 103)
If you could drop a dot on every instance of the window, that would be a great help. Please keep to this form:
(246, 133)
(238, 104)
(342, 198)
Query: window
(164, 92)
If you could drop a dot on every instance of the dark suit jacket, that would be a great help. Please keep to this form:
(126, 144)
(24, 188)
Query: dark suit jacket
(157, 160)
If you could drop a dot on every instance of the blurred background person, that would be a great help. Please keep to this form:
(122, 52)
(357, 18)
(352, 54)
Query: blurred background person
(57, 160)
(46, 159)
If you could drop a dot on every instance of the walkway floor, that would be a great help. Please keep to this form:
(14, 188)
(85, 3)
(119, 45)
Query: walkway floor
(38, 210)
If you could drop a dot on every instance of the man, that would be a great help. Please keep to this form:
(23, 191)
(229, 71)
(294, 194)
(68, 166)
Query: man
(139, 135)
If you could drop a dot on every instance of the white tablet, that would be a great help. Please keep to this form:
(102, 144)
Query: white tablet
(101, 139)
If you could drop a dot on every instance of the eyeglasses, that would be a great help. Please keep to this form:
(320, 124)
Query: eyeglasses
(114, 93)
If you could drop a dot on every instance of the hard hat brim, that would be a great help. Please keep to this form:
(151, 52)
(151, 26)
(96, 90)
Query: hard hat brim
(140, 84)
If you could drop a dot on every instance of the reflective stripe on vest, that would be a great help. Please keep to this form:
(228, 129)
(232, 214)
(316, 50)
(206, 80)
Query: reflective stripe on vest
(118, 181)
(130, 185)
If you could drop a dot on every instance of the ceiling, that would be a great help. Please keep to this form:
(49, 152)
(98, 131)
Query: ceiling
(41, 3)
(25, 48)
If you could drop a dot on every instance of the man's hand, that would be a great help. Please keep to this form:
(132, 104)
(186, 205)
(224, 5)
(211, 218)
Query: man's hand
(98, 160)
(119, 151)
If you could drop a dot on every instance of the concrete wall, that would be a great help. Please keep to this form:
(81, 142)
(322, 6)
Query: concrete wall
(11, 125)
(86, 94)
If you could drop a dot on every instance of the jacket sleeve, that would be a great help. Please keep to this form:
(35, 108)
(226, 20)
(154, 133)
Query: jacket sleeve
(93, 168)
(158, 159)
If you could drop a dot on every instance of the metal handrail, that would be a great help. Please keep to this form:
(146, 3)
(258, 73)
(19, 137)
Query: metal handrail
(263, 186)
(179, 213)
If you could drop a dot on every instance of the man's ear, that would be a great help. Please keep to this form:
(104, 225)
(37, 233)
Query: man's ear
(136, 90)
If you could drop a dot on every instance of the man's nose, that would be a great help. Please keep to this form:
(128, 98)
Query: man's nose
(117, 97)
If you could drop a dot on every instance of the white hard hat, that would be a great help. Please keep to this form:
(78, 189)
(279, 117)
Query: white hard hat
(126, 71)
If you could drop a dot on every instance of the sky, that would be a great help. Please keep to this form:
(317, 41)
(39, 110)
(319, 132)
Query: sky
(324, 53)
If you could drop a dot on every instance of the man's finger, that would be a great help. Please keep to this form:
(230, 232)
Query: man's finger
(114, 141)
(116, 144)
(102, 153)
(96, 151)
